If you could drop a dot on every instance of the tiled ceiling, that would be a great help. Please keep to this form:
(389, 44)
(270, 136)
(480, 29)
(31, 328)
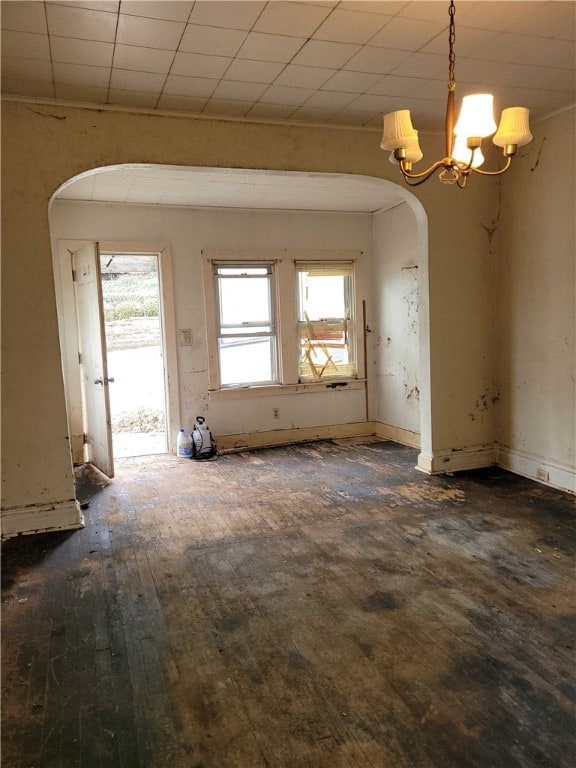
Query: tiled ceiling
(338, 63)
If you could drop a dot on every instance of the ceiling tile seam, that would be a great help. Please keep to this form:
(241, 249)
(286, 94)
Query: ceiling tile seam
(324, 20)
(495, 34)
(67, 5)
(328, 40)
(190, 14)
(431, 40)
(543, 66)
(157, 102)
(151, 48)
(50, 50)
(256, 20)
(360, 9)
(143, 15)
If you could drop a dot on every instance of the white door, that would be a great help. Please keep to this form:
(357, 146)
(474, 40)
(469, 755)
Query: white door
(93, 364)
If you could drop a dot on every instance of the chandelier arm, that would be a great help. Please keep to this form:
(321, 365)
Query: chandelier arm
(423, 174)
(412, 182)
(494, 173)
(465, 168)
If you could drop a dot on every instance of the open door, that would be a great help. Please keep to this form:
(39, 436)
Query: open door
(93, 363)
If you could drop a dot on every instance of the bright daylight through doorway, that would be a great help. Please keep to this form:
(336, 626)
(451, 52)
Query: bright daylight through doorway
(132, 313)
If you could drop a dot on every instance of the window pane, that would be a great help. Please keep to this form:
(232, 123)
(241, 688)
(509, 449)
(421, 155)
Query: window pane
(326, 329)
(244, 300)
(247, 360)
(325, 351)
(322, 296)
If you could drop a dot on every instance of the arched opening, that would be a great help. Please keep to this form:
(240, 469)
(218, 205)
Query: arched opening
(185, 211)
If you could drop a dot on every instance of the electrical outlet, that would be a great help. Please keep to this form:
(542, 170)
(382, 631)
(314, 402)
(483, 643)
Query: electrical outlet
(275, 413)
(542, 475)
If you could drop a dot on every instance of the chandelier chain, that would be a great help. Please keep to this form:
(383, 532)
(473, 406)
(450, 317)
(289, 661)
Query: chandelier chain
(452, 55)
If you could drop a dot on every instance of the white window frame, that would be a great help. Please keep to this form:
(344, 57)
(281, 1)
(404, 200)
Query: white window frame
(286, 314)
(309, 327)
(251, 330)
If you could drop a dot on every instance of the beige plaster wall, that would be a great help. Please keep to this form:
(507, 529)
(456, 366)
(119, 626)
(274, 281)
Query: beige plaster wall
(536, 249)
(45, 145)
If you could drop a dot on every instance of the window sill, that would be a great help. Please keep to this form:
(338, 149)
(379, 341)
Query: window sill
(269, 390)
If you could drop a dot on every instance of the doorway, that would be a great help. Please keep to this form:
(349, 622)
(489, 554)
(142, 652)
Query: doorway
(92, 383)
(131, 301)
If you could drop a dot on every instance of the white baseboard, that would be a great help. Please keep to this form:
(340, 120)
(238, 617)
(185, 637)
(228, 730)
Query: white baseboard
(537, 468)
(457, 459)
(397, 434)
(41, 518)
(230, 443)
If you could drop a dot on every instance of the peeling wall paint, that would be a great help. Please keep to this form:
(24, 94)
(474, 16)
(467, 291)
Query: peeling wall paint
(536, 278)
(396, 297)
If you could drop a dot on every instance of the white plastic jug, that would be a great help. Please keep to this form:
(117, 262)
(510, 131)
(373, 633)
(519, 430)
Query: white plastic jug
(183, 444)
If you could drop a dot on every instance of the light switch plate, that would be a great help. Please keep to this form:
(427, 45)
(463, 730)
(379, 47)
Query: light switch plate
(185, 337)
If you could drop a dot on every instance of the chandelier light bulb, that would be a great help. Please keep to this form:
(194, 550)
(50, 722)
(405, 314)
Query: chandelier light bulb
(476, 116)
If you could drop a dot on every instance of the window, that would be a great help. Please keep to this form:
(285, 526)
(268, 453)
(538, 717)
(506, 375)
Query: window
(281, 319)
(246, 333)
(325, 330)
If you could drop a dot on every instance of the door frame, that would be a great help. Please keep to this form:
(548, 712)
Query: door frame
(69, 342)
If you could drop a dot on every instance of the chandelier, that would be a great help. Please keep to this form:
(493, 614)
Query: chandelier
(463, 137)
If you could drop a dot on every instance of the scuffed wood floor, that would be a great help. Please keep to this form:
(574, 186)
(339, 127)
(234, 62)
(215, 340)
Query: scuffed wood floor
(319, 606)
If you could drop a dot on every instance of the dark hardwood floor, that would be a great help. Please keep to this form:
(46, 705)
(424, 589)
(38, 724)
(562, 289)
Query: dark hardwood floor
(318, 606)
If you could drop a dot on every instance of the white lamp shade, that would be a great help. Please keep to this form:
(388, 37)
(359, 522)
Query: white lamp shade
(463, 154)
(398, 130)
(413, 151)
(476, 116)
(514, 127)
